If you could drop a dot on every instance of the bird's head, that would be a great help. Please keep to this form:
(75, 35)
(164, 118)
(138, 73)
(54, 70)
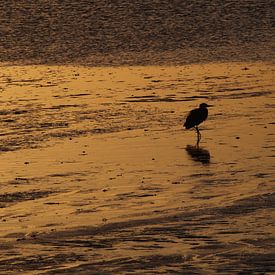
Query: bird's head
(204, 105)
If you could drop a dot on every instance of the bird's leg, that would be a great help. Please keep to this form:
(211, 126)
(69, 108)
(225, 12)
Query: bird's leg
(198, 135)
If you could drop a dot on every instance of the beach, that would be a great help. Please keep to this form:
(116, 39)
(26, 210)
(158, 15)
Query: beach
(98, 175)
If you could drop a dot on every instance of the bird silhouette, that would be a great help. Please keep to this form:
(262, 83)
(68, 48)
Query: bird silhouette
(196, 117)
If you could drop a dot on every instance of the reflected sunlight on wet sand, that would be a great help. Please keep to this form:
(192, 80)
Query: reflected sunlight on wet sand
(98, 174)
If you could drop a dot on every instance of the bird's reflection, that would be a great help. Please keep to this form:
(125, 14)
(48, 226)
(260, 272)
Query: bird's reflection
(198, 154)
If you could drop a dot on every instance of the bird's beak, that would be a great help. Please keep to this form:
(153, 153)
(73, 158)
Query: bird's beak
(209, 105)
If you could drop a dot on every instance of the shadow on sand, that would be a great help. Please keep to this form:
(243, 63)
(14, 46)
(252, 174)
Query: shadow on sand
(198, 154)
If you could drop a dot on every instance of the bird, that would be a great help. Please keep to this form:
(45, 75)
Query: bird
(196, 117)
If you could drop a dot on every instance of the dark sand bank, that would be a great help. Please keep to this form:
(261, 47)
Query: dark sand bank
(136, 32)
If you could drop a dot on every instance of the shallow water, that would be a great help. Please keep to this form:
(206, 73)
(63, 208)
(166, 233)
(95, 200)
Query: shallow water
(98, 175)
(127, 32)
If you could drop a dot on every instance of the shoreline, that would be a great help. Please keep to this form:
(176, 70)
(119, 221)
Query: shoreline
(180, 57)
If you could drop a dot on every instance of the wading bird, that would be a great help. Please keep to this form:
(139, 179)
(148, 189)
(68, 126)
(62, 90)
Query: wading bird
(196, 117)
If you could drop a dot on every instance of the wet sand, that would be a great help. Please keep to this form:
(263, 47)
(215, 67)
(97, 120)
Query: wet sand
(99, 177)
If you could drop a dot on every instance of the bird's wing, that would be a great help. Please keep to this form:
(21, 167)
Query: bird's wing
(185, 117)
(189, 114)
(188, 117)
(192, 119)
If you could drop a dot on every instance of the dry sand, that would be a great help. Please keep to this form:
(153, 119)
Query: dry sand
(99, 177)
